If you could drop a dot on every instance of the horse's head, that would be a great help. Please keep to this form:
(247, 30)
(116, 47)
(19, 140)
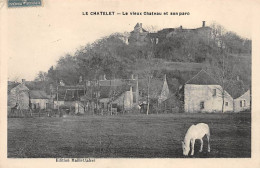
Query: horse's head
(185, 148)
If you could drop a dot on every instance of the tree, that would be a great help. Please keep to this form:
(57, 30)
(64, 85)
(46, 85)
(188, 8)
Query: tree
(41, 76)
(15, 79)
(223, 69)
(109, 55)
(146, 70)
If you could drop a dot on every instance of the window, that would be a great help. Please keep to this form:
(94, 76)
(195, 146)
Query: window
(102, 105)
(36, 106)
(226, 103)
(242, 103)
(201, 105)
(47, 106)
(114, 105)
(214, 92)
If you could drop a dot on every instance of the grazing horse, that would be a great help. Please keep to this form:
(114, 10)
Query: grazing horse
(195, 132)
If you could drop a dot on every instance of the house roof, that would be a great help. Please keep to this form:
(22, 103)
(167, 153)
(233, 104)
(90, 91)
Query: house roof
(121, 91)
(11, 86)
(237, 88)
(70, 93)
(155, 88)
(202, 78)
(115, 91)
(19, 86)
(115, 82)
(38, 94)
(35, 85)
(117, 86)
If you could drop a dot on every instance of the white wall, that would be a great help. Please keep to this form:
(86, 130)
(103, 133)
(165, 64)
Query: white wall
(195, 94)
(246, 98)
(42, 102)
(57, 103)
(125, 99)
(128, 100)
(79, 108)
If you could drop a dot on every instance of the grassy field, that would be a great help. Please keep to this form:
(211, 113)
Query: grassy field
(136, 136)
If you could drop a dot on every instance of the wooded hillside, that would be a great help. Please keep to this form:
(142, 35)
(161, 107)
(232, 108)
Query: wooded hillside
(180, 56)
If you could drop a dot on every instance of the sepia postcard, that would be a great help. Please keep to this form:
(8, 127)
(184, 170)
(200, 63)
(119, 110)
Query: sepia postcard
(129, 84)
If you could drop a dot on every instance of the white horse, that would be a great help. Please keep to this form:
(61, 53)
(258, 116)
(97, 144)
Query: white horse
(195, 132)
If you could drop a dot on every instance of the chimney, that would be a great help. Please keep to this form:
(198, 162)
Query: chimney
(141, 25)
(80, 79)
(181, 27)
(203, 23)
(23, 81)
(132, 77)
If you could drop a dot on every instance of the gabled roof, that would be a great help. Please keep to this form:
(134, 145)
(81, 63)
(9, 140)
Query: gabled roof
(117, 86)
(38, 94)
(113, 91)
(155, 87)
(19, 86)
(11, 86)
(237, 89)
(202, 78)
(70, 93)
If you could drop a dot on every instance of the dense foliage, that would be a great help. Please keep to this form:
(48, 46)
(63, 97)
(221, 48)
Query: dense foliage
(115, 58)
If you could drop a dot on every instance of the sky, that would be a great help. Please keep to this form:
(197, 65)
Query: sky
(35, 38)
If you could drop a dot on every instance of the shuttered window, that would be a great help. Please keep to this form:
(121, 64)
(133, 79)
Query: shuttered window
(201, 105)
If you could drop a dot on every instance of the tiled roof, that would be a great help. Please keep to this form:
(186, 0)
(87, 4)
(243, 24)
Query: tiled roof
(115, 91)
(202, 78)
(70, 93)
(155, 87)
(38, 94)
(237, 89)
(12, 85)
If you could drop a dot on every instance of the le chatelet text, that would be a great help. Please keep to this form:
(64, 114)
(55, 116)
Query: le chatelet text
(99, 13)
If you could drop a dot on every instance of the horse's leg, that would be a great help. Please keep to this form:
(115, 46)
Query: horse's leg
(192, 146)
(201, 144)
(208, 137)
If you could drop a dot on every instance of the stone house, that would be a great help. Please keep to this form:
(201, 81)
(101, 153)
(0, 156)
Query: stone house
(18, 95)
(124, 99)
(243, 102)
(120, 93)
(241, 95)
(158, 93)
(39, 99)
(68, 96)
(203, 94)
(24, 95)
